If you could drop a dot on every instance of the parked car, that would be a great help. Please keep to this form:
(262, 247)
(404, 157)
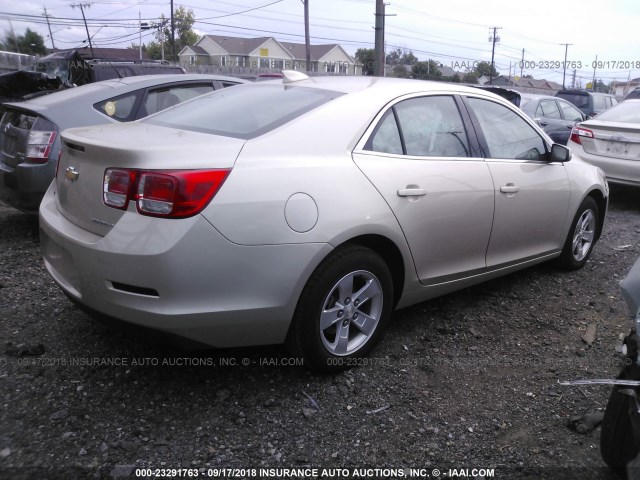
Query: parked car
(635, 93)
(74, 69)
(589, 103)
(555, 115)
(30, 130)
(306, 210)
(612, 142)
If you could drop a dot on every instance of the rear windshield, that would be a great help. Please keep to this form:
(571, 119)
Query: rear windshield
(625, 112)
(580, 100)
(245, 111)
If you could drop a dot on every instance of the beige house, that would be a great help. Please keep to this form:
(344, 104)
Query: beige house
(267, 53)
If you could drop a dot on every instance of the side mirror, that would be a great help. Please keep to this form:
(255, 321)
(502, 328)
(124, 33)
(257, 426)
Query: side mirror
(560, 153)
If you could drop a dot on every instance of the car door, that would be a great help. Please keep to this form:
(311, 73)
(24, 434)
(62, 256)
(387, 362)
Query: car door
(531, 193)
(429, 170)
(548, 116)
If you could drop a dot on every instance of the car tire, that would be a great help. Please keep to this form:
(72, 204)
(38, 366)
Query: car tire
(617, 443)
(582, 236)
(343, 310)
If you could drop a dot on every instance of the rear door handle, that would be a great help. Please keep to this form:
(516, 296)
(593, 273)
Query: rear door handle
(412, 192)
(510, 188)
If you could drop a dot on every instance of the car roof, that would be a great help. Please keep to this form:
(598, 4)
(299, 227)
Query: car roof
(537, 96)
(396, 86)
(113, 85)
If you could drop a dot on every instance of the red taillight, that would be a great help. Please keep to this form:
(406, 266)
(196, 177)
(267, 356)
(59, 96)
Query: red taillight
(578, 132)
(116, 187)
(40, 141)
(162, 193)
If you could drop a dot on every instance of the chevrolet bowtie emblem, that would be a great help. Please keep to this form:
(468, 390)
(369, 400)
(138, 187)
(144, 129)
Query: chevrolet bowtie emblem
(71, 174)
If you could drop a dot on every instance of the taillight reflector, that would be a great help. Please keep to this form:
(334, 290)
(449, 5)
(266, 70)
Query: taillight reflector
(577, 132)
(162, 193)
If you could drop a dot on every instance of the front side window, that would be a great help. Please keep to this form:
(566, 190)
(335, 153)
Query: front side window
(425, 127)
(507, 134)
(570, 113)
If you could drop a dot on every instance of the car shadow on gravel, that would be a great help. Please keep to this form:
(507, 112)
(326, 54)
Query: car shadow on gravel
(16, 225)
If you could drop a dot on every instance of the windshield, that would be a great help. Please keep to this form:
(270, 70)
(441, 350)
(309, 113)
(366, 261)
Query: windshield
(244, 111)
(625, 112)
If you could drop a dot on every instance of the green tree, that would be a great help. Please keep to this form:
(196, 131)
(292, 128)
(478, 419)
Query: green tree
(366, 57)
(401, 57)
(31, 43)
(455, 78)
(400, 71)
(484, 69)
(470, 77)
(426, 71)
(183, 20)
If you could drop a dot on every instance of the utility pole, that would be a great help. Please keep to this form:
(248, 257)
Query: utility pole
(378, 66)
(82, 5)
(46, 15)
(564, 72)
(493, 39)
(15, 39)
(573, 79)
(173, 35)
(593, 83)
(307, 41)
(521, 64)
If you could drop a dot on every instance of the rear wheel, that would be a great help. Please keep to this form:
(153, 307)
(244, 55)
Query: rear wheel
(343, 309)
(582, 236)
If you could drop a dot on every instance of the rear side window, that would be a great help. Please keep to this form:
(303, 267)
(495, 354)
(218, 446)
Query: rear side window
(507, 134)
(122, 108)
(246, 111)
(424, 127)
(159, 99)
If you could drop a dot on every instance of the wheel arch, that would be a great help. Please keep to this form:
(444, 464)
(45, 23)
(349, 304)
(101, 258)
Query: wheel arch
(391, 255)
(601, 201)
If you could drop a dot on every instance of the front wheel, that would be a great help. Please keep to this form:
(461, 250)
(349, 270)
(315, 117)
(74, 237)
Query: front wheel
(582, 236)
(343, 309)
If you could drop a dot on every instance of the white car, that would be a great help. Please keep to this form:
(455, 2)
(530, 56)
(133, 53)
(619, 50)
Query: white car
(306, 210)
(611, 141)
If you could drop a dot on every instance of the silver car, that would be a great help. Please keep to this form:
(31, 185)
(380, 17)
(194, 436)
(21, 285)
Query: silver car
(30, 130)
(611, 141)
(306, 210)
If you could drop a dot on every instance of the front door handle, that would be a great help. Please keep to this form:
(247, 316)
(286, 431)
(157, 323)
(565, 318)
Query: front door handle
(412, 192)
(509, 188)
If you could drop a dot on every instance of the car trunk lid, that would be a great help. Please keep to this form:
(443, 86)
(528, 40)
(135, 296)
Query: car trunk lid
(612, 139)
(89, 152)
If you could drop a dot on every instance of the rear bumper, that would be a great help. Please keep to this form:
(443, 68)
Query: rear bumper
(23, 187)
(179, 276)
(620, 171)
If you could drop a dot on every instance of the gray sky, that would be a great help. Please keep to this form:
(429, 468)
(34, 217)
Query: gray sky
(455, 33)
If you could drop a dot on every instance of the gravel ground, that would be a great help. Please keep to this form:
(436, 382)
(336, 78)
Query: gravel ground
(466, 381)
